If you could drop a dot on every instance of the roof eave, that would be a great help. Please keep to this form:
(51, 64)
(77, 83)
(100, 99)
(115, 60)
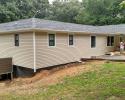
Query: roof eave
(53, 30)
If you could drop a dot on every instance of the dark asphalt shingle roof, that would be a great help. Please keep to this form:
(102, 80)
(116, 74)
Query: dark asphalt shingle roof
(40, 24)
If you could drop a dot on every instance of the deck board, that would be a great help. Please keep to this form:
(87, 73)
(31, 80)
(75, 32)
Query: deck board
(114, 57)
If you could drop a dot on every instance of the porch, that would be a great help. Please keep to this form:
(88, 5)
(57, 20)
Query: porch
(115, 56)
(117, 40)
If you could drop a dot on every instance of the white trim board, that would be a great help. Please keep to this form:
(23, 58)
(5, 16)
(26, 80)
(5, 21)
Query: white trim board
(34, 50)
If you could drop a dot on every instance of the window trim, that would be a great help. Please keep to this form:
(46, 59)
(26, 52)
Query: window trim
(15, 44)
(48, 39)
(121, 38)
(91, 41)
(110, 38)
(73, 39)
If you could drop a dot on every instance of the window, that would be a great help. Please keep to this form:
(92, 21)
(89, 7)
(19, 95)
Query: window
(71, 40)
(93, 41)
(110, 40)
(51, 39)
(16, 39)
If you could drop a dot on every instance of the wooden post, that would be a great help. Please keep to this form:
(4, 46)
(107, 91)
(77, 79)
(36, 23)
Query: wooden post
(12, 71)
(11, 76)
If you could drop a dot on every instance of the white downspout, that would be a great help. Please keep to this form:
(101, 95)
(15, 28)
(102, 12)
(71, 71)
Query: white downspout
(34, 50)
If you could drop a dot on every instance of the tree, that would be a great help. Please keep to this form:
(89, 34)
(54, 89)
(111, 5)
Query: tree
(42, 6)
(64, 11)
(100, 12)
(32, 8)
(96, 12)
(7, 10)
(122, 4)
(19, 9)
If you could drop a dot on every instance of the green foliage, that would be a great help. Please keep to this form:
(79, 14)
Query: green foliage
(64, 11)
(19, 9)
(100, 12)
(122, 4)
(95, 12)
(42, 7)
(7, 11)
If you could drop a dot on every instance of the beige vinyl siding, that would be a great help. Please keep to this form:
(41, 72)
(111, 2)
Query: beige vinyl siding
(63, 53)
(22, 55)
(84, 45)
(47, 56)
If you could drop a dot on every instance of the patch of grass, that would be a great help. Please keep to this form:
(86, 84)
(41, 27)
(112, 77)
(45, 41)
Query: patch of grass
(108, 83)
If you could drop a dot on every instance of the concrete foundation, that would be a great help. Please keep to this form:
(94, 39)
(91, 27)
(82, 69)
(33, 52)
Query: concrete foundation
(22, 72)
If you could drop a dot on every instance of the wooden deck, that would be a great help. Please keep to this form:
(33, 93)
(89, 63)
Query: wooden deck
(113, 58)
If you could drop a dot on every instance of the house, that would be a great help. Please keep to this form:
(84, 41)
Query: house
(37, 43)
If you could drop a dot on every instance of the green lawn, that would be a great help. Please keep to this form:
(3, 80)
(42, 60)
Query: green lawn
(108, 83)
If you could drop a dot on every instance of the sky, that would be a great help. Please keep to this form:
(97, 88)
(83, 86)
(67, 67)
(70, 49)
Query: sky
(53, 0)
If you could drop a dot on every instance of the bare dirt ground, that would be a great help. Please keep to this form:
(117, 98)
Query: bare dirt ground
(47, 77)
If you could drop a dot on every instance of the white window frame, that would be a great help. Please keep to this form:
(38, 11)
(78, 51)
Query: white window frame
(15, 40)
(95, 41)
(48, 39)
(73, 39)
(110, 41)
